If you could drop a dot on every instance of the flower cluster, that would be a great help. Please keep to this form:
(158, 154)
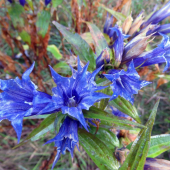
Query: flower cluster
(138, 40)
(131, 53)
(20, 97)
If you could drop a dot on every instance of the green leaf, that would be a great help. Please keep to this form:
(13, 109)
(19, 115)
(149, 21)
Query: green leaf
(138, 153)
(44, 124)
(98, 38)
(87, 37)
(15, 12)
(58, 120)
(43, 22)
(117, 15)
(159, 144)
(54, 50)
(55, 3)
(42, 132)
(80, 46)
(30, 3)
(25, 37)
(106, 136)
(62, 67)
(109, 119)
(126, 107)
(98, 151)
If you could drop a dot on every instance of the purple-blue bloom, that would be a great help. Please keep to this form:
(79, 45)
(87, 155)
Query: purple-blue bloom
(108, 24)
(163, 29)
(160, 54)
(118, 44)
(17, 100)
(66, 139)
(102, 58)
(135, 47)
(10, 1)
(158, 16)
(74, 93)
(125, 84)
(22, 2)
(47, 2)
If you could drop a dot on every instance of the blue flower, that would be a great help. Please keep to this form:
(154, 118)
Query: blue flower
(125, 84)
(10, 1)
(108, 24)
(103, 58)
(47, 2)
(158, 16)
(160, 54)
(17, 100)
(66, 139)
(22, 2)
(136, 24)
(135, 47)
(74, 93)
(163, 29)
(118, 44)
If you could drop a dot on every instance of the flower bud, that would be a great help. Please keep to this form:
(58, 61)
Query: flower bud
(136, 24)
(22, 2)
(47, 2)
(127, 24)
(102, 58)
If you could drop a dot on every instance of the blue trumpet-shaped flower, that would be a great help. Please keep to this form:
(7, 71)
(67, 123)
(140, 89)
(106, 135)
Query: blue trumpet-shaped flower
(22, 2)
(108, 24)
(17, 100)
(74, 93)
(161, 54)
(158, 16)
(118, 44)
(66, 139)
(125, 84)
(47, 2)
(10, 1)
(163, 29)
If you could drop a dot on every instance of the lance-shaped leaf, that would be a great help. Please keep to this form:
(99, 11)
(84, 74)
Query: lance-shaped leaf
(117, 15)
(25, 37)
(106, 136)
(55, 3)
(98, 151)
(80, 46)
(88, 38)
(43, 22)
(126, 107)
(44, 124)
(159, 144)
(98, 38)
(109, 119)
(15, 12)
(138, 153)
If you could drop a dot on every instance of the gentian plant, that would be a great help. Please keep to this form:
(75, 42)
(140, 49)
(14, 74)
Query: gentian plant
(92, 106)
